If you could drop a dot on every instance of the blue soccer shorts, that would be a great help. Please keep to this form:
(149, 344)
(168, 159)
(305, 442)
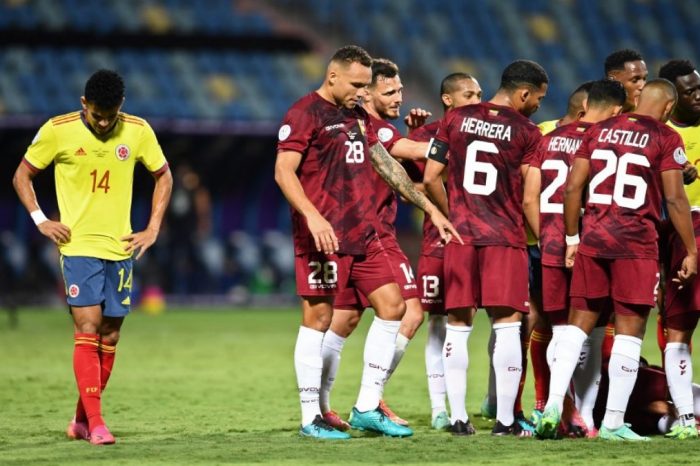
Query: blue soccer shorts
(90, 281)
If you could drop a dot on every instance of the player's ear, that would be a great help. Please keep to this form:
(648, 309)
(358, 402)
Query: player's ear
(83, 102)
(524, 94)
(446, 99)
(332, 77)
(617, 109)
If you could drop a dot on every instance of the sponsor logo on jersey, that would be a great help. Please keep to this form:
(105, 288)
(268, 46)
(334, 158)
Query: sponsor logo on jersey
(284, 132)
(679, 156)
(80, 152)
(73, 291)
(336, 126)
(122, 151)
(351, 135)
(384, 134)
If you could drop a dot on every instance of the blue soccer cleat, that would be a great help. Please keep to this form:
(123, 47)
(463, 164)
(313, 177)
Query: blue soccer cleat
(318, 428)
(376, 421)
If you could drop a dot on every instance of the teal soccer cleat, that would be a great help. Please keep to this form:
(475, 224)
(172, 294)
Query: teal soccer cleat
(622, 433)
(376, 421)
(546, 428)
(318, 428)
(441, 421)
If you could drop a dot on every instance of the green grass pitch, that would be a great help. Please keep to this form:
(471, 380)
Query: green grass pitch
(204, 386)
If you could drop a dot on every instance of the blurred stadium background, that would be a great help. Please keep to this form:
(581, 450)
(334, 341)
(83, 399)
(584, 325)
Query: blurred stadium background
(214, 77)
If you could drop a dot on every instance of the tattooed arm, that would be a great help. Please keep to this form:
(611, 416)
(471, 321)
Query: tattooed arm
(395, 175)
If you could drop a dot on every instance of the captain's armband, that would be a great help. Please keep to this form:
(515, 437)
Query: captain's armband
(437, 150)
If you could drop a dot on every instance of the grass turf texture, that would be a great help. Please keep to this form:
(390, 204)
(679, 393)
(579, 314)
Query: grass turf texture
(216, 387)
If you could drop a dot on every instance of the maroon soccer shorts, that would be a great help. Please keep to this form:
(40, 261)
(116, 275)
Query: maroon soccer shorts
(431, 284)
(556, 282)
(352, 298)
(318, 274)
(681, 307)
(485, 276)
(631, 283)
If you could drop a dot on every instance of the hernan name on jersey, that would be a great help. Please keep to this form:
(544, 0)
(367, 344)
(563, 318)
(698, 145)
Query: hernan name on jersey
(624, 137)
(486, 129)
(563, 144)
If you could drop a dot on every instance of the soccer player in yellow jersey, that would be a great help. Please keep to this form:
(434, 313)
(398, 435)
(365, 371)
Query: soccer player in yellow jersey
(94, 152)
(574, 111)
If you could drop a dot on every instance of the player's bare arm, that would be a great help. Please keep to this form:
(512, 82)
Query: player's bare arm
(531, 199)
(434, 185)
(143, 240)
(22, 181)
(395, 175)
(288, 181)
(679, 214)
(407, 149)
(575, 184)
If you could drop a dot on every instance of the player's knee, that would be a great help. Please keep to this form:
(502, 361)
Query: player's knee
(393, 310)
(86, 327)
(110, 338)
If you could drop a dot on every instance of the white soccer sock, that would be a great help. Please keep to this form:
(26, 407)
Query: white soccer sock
(557, 332)
(330, 353)
(455, 360)
(491, 394)
(433, 363)
(564, 362)
(587, 375)
(399, 349)
(679, 375)
(507, 365)
(622, 370)
(308, 365)
(379, 351)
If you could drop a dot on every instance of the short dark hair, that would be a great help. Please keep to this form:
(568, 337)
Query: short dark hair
(575, 102)
(449, 82)
(675, 68)
(665, 84)
(383, 67)
(606, 92)
(105, 89)
(616, 60)
(523, 73)
(352, 54)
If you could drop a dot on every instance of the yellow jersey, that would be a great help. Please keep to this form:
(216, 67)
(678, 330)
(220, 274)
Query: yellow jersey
(94, 178)
(691, 139)
(548, 126)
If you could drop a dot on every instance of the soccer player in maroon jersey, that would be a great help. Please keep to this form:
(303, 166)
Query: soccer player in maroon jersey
(633, 161)
(543, 202)
(325, 156)
(490, 146)
(382, 103)
(628, 67)
(456, 90)
(682, 306)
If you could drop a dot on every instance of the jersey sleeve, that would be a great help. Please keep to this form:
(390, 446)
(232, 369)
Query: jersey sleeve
(672, 152)
(42, 150)
(296, 131)
(388, 135)
(150, 153)
(540, 151)
(584, 150)
(532, 142)
(370, 132)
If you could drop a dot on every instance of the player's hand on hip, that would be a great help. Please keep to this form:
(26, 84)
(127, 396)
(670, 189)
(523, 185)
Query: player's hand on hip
(687, 272)
(416, 118)
(570, 256)
(140, 241)
(55, 231)
(446, 229)
(323, 234)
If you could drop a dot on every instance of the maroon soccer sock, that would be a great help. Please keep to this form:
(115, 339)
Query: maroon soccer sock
(86, 365)
(608, 341)
(540, 369)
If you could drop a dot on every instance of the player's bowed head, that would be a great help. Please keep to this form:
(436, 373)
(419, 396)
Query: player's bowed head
(348, 74)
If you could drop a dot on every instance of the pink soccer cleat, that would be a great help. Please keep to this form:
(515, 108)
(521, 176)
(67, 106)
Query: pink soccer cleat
(335, 421)
(77, 430)
(101, 436)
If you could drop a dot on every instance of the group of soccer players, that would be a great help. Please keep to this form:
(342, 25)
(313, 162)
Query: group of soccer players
(598, 193)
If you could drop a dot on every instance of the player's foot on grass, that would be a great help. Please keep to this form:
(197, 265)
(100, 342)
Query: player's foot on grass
(622, 433)
(78, 430)
(335, 421)
(101, 436)
(441, 421)
(391, 414)
(680, 432)
(592, 433)
(462, 428)
(318, 428)
(376, 421)
(500, 430)
(487, 409)
(535, 416)
(549, 423)
(527, 428)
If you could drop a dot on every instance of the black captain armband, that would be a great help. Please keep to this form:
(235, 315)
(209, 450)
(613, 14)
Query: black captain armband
(437, 150)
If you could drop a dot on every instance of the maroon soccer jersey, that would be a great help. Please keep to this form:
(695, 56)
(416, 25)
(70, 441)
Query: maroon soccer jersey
(487, 144)
(432, 242)
(335, 170)
(385, 197)
(555, 154)
(627, 154)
